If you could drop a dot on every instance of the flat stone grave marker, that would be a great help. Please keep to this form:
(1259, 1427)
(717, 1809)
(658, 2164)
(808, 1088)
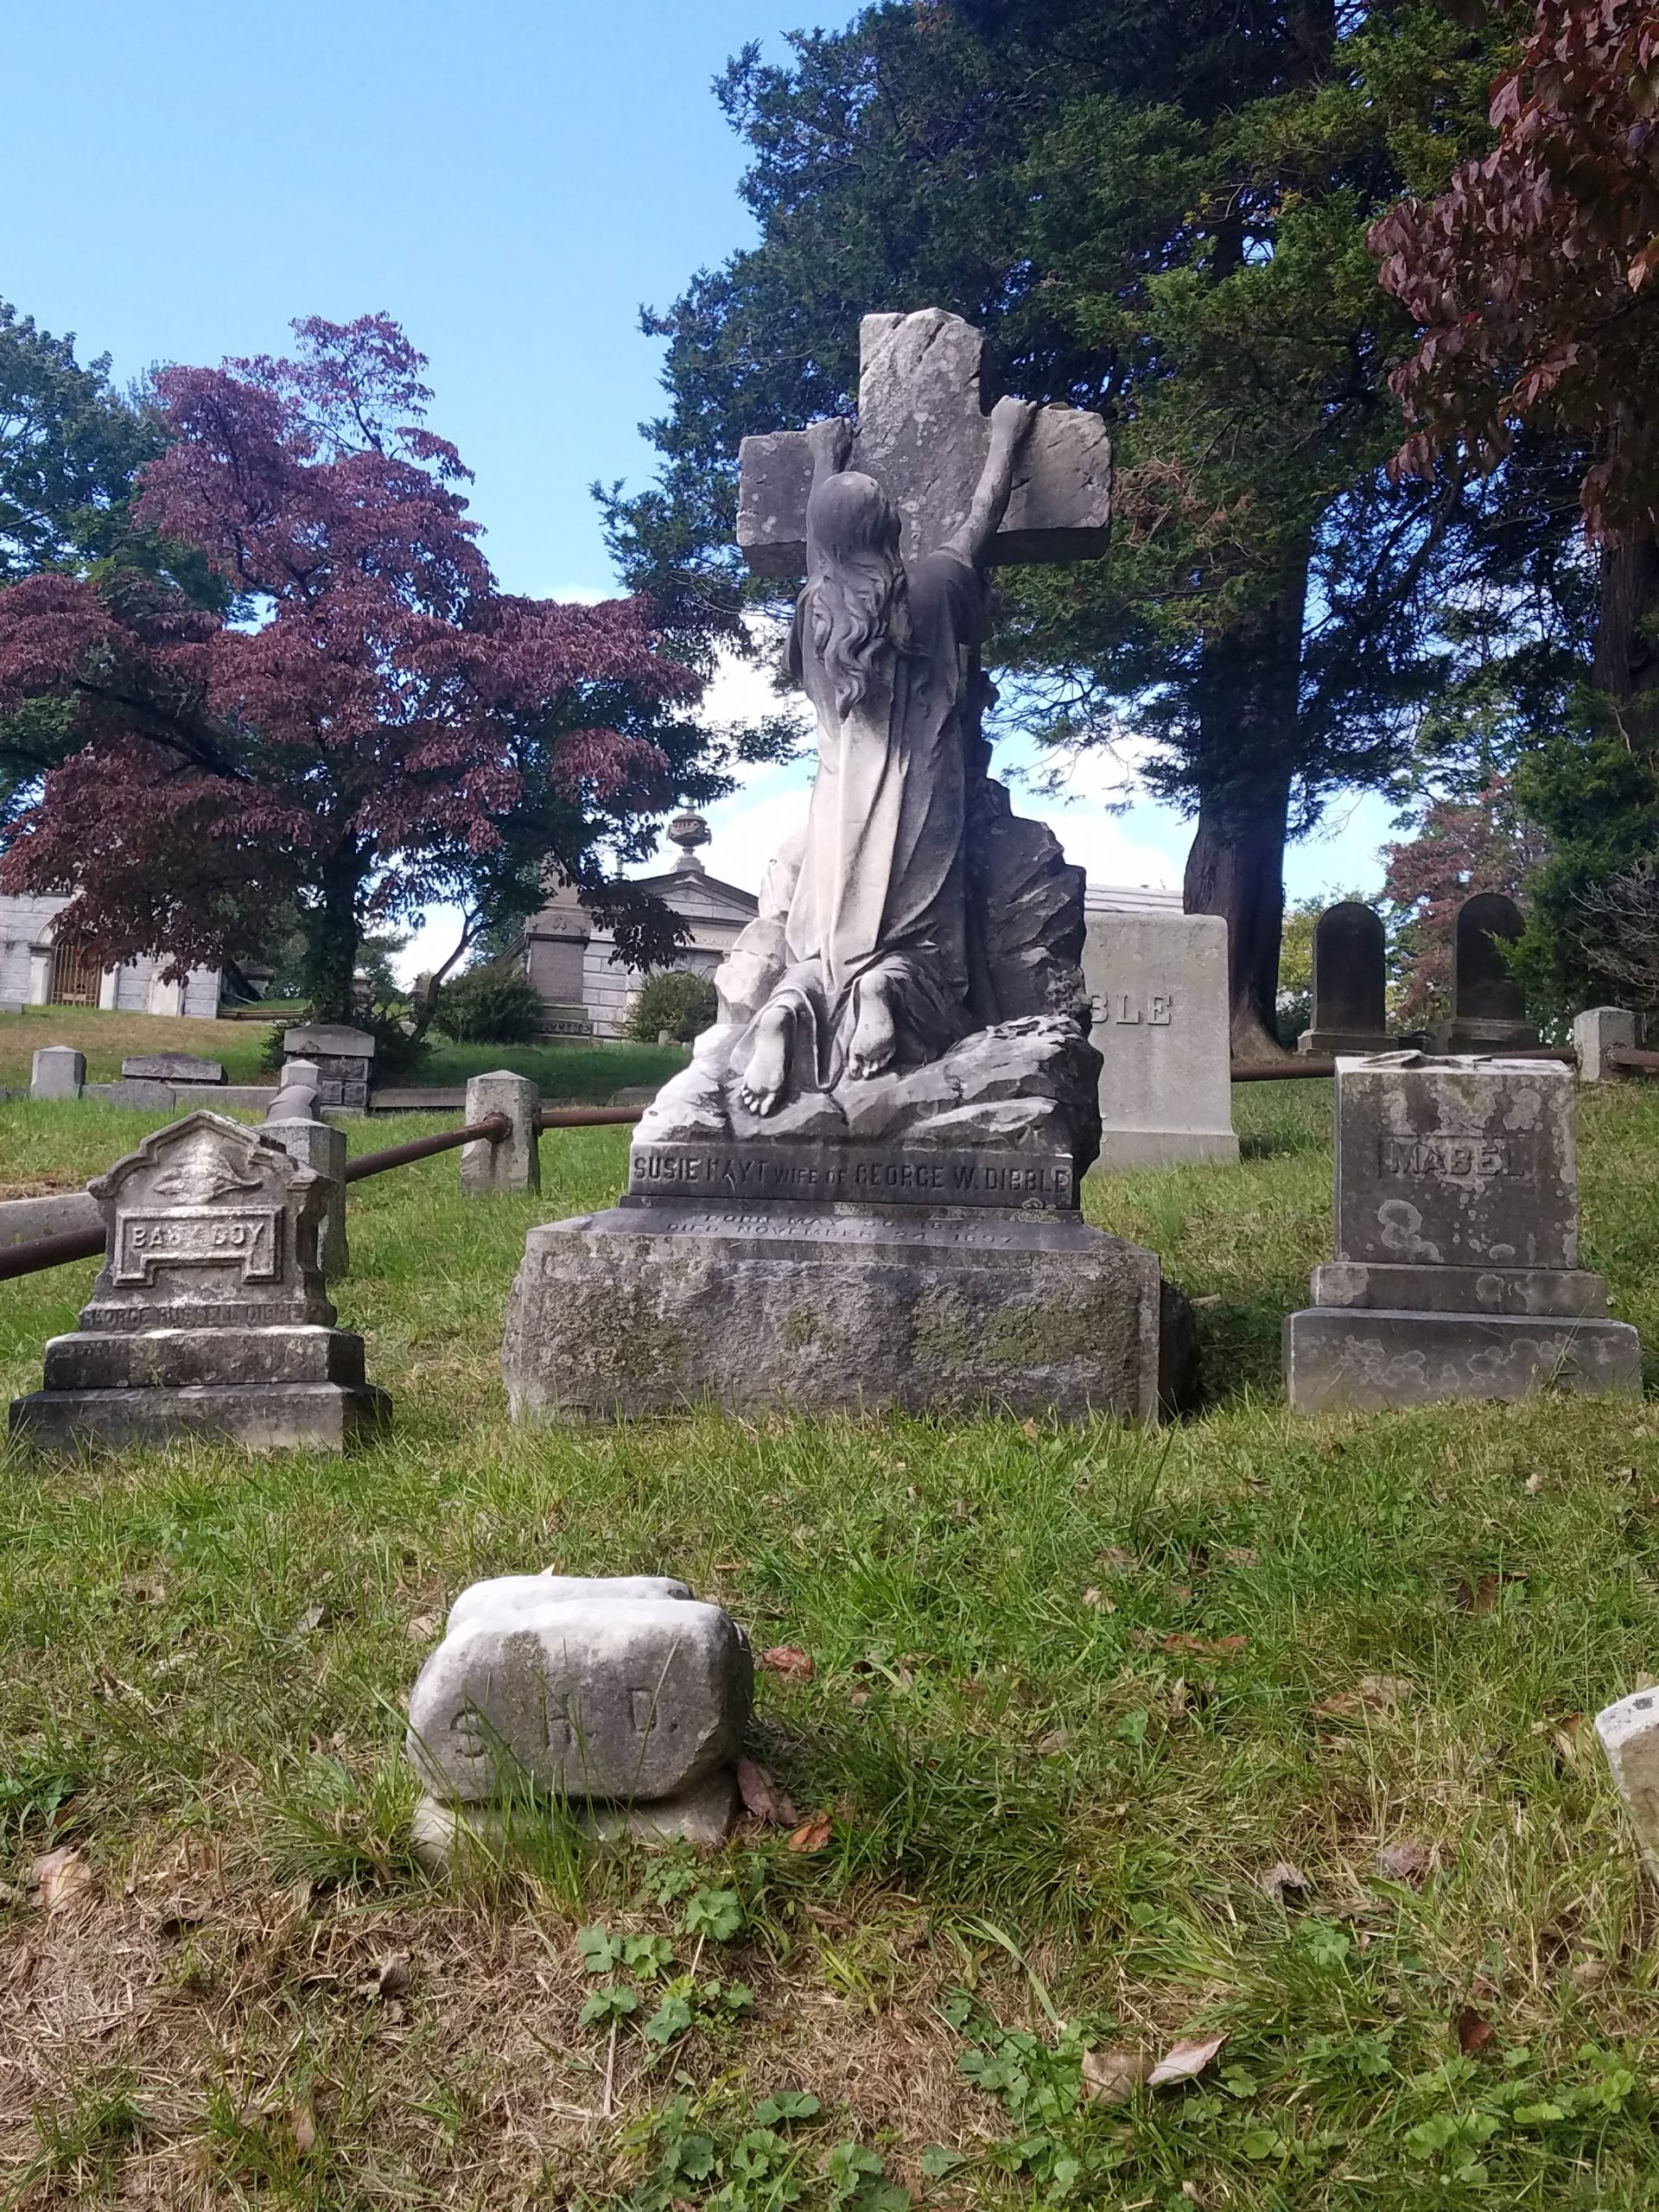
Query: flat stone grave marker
(210, 1312)
(1457, 1271)
(172, 1067)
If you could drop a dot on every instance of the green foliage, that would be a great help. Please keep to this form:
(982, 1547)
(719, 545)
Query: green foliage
(679, 1000)
(491, 1004)
(758, 2168)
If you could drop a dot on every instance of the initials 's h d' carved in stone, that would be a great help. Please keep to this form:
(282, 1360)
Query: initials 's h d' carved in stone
(903, 1025)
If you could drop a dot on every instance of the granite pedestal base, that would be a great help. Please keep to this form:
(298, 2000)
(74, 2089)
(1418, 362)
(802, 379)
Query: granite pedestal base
(269, 1389)
(704, 1816)
(1363, 1360)
(1333, 1044)
(653, 1307)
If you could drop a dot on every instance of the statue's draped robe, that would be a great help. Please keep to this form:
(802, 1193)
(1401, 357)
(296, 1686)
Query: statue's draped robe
(881, 892)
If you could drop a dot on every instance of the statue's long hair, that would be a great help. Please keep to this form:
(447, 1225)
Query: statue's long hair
(854, 610)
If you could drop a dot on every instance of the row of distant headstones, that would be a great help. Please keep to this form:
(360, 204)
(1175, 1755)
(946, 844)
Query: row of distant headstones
(1351, 966)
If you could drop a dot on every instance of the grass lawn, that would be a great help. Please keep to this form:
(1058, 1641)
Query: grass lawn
(1073, 1694)
(585, 1073)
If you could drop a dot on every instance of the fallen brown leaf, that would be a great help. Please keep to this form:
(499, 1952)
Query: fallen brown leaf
(392, 1975)
(1056, 1741)
(813, 1834)
(762, 1799)
(1238, 1555)
(1182, 2061)
(1473, 2032)
(1284, 1881)
(1113, 2076)
(59, 1877)
(425, 1628)
(302, 2127)
(1372, 1693)
(1407, 1861)
(1479, 1597)
(1114, 1556)
(789, 1661)
(1200, 1647)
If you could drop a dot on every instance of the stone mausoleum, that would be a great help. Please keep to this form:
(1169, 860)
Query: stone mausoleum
(35, 970)
(571, 957)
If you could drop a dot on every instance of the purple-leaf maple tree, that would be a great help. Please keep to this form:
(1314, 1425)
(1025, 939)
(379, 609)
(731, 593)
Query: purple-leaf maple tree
(372, 726)
(1532, 279)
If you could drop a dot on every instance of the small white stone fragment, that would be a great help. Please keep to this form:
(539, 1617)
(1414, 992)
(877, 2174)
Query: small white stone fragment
(506, 1595)
(1630, 1736)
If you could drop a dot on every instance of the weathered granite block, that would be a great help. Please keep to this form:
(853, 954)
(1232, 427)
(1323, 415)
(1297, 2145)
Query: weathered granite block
(167, 1359)
(514, 1162)
(1365, 1361)
(57, 1071)
(342, 1058)
(588, 1697)
(172, 1067)
(320, 1147)
(702, 1816)
(1559, 1293)
(137, 1095)
(654, 1308)
(1630, 1737)
(1596, 1031)
(1158, 986)
(1464, 1164)
(260, 1417)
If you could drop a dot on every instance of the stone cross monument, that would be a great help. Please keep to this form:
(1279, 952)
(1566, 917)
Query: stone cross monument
(865, 1188)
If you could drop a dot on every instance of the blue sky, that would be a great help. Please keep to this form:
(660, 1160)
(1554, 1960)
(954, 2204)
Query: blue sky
(510, 180)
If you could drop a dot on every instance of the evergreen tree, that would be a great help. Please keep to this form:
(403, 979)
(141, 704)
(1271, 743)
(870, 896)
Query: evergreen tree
(1159, 212)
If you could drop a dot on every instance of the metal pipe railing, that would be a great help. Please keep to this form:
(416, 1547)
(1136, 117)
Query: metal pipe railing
(493, 1127)
(49, 1252)
(587, 1117)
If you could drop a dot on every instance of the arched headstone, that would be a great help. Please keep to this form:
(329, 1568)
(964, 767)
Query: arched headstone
(1489, 1006)
(1350, 980)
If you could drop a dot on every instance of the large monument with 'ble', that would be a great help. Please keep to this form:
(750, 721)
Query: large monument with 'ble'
(864, 1190)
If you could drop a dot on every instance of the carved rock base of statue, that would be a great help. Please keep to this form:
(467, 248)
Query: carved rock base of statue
(655, 1308)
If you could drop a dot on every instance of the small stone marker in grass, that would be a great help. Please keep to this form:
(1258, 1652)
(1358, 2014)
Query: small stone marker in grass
(57, 1071)
(624, 1698)
(1456, 1269)
(210, 1314)
(1630, 1736)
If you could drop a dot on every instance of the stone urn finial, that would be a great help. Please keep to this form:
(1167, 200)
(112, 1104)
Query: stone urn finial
(688, 831)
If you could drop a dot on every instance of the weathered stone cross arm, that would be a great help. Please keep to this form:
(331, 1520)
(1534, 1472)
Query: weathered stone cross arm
(923, 433)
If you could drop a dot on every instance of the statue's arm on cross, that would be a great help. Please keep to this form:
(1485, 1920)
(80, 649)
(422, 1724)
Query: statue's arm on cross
(1011, 421)
(831, 444)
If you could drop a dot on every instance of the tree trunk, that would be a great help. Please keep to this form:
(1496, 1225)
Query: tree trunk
(1248, 694)
(332, 938)
(1627, 653)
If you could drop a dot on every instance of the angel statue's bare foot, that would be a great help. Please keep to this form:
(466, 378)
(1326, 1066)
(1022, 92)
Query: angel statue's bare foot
(875, 1038)
(764, 1078)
